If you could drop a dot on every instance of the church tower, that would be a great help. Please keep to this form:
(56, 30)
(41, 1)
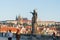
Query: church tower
(19, 19)
(16, 18)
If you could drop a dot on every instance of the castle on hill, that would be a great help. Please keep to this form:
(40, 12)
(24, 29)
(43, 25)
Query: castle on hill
(24, 21)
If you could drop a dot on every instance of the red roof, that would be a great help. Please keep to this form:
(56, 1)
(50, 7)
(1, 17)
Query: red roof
(28, 26)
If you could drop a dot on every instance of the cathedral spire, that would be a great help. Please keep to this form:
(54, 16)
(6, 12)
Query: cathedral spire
(16, 17)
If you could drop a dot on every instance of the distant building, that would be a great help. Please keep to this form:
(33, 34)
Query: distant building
(20, 21)
(57, 23)
(45, 23)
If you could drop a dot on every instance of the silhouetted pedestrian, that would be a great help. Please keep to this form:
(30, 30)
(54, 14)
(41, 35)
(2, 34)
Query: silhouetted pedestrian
(54, 36)
(17, 35)
(10, 35)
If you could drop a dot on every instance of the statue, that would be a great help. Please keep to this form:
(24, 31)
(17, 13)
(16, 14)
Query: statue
(34, 21)
(34, 18)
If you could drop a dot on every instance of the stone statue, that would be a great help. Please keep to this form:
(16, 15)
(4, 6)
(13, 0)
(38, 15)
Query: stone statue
(34, 18)
(34, 21)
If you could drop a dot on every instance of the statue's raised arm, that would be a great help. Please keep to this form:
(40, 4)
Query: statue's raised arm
(34, 18)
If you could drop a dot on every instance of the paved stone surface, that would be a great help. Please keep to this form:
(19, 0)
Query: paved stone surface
(27, 38)
(5, 38)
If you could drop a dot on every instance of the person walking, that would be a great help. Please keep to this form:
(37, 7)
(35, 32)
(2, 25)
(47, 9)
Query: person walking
(10, 35)
(54, 36)
(17, 35)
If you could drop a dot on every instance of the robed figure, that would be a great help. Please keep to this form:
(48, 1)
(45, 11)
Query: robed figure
(34, 21)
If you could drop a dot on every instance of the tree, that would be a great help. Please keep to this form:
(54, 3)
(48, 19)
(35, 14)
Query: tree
(25, 24)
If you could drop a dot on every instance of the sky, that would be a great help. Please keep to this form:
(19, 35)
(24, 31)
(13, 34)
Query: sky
(47, 10)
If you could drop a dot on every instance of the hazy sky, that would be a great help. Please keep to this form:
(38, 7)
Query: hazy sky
(46, 9)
